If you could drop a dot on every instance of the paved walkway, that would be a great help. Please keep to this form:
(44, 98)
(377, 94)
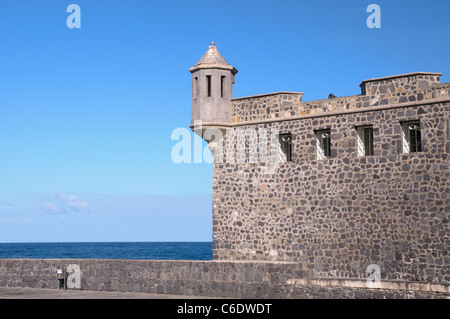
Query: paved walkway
(47, 293)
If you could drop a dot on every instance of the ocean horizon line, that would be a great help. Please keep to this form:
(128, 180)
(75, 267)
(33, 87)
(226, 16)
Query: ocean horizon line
(109, 250)
(106, 242)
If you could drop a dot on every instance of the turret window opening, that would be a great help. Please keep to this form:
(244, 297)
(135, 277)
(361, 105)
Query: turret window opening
(208, 83)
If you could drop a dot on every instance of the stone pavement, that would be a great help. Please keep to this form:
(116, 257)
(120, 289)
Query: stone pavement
(48, 293)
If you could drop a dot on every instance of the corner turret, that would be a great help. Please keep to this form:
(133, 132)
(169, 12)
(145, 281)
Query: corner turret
(212, 89)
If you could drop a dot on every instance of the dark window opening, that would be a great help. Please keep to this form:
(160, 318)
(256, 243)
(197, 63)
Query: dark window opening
(412, 137)
(364, 140)
(222, 84)
(195, 88)
(368, 140)
(208, 83)
(415, 139)
(448, 129)
(323, 144)
(285, 147)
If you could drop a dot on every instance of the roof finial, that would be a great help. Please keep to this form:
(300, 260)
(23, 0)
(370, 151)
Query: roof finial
(212, 43)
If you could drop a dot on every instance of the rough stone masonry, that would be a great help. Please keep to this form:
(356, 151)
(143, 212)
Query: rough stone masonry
(339, 212)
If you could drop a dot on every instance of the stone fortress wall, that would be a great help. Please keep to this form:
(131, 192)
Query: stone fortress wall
(338, 215)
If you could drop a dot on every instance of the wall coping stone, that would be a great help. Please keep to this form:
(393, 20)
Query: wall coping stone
(399, 76)
(265, 94)
(362, 283)
(328, 114)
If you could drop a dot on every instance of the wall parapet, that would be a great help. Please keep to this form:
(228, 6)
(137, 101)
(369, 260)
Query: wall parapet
(285, 107)
(207, 278)
(399, 82)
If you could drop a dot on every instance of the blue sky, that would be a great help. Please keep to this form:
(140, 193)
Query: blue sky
(86, 115)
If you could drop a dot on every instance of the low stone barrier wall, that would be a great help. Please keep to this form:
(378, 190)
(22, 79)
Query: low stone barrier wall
(203, 278)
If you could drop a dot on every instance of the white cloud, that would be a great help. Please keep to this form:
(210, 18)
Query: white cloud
(64, 203)
(50, 208)
(74, 203)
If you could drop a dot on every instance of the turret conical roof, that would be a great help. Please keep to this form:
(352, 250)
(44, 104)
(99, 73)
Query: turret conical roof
(212, 59)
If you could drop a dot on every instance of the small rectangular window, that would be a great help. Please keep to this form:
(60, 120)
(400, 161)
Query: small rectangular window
(285, 147)
(222, 86)
(411, 137)
(364, 140)
(448, 135)
(448, 129)
(208, 84)
(323, 144)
